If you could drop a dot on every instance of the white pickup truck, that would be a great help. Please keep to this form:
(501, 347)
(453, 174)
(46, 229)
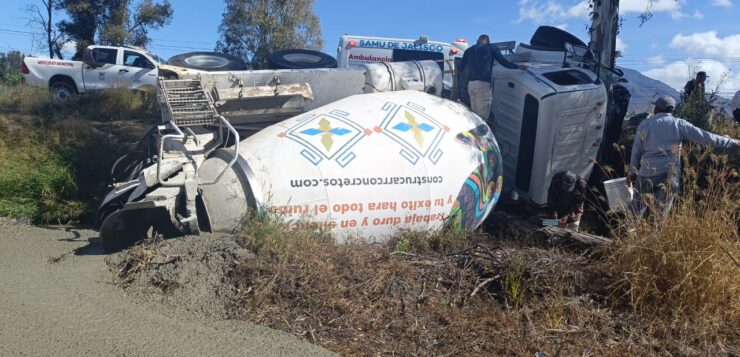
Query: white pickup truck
(102, 67)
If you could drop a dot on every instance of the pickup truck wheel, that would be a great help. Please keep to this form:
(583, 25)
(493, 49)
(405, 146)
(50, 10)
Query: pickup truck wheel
(300, 59)
(61, 91)
(208, 61)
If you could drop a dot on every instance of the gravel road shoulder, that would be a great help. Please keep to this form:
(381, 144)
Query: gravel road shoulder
(57, 297)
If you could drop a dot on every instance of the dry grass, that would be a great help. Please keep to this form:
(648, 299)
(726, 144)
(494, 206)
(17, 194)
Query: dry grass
(663, 291)
(108, 105)
(139, 258)
(682, 278)
(423, 294)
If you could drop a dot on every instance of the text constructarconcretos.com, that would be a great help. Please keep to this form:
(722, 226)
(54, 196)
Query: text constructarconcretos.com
(365, 181)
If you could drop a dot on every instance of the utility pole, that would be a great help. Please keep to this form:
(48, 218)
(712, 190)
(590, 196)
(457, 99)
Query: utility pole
(604, 27)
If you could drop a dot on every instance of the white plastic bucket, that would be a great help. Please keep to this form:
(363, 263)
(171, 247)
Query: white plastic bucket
(619, 194)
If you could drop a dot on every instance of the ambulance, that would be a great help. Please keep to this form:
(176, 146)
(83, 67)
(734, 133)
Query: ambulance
(355, 51)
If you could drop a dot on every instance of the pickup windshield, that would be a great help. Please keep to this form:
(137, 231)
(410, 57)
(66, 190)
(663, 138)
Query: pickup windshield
(156, 58)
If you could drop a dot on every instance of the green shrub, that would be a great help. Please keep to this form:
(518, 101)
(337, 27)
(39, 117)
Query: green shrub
(59, 171)
(27, 100)
(122, 104)
(108, 105)
(34, 183)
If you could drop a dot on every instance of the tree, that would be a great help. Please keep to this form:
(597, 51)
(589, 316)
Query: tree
(113, 21)
(252, 29)
(10, 64)
(119, 26)
(82, 23)
(604, 29)
(43, 17)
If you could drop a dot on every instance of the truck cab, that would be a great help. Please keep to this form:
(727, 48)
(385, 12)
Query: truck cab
(357, 50)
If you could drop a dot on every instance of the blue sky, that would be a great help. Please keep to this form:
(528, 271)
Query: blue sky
(682, 36)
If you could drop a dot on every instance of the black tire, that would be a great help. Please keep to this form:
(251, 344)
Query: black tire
(208, 61)
(62, 90)
(122, 229)
(553, 37)
(300, 59)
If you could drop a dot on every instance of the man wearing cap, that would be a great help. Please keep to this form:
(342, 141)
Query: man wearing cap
(656, 154)
(478, 59)
(694, 88)
(565, 198)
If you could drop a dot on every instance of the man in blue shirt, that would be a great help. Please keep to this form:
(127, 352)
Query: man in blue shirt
(656, 154)
(478, 59)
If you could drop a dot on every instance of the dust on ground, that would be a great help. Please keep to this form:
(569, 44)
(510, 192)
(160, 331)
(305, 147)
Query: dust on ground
(57, 297)
(189, 272)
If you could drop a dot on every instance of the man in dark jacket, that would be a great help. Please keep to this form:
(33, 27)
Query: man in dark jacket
(478, 59)
(565, 198)
(694, 89)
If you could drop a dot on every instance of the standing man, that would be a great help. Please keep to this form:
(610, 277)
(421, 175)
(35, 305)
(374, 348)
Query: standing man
(656, 155)
(479, 60)
(735, 105)
(565, 198)
(694, 88)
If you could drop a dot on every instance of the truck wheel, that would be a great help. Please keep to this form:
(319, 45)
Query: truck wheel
(208, 61)
(300, 59)
(62, 90)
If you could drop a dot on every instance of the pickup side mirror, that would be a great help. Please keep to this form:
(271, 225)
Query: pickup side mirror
(89, 60)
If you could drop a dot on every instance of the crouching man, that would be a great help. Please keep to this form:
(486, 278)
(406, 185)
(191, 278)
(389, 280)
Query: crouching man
(565, 199)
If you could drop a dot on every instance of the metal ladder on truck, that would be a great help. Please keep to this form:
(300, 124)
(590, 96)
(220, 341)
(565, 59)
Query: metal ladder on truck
(185, 104)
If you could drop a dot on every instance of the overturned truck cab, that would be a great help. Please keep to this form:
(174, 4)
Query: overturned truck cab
(365, 166)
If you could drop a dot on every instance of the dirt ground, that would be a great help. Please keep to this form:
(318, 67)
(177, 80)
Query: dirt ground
(58, 297)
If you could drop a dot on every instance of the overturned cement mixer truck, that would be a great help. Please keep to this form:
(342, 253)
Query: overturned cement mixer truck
(362, 152)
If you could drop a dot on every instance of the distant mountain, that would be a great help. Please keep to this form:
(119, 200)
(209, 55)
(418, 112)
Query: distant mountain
(645, 90)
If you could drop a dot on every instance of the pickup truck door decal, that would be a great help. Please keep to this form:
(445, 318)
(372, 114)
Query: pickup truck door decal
(137, 71)
(98, 78)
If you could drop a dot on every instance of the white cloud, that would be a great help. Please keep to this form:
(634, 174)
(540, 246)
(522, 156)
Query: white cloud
(678, 15)
(621, 45)
(69, 47)
(676, 74)
(722, 3)
(563, 27)
(544, 11)
(656, 59)
(697, 15)
(626, 6)
(550, 10)
(708, 44)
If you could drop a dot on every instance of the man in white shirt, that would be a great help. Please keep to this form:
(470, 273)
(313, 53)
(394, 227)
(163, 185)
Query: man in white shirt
(655, 165)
